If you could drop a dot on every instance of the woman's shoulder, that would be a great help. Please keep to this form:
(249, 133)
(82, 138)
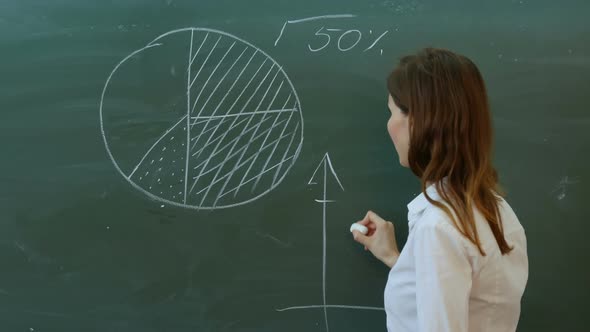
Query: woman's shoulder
(435, 215)
(436, 234)
(436, 220)
(510, 221)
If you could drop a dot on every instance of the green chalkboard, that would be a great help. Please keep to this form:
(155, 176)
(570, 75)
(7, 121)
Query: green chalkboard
(196, 165)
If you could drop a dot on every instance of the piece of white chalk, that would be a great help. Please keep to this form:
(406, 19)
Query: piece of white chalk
(359, 227)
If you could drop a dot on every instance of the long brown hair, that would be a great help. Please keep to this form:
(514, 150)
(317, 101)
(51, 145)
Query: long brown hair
(450, 136)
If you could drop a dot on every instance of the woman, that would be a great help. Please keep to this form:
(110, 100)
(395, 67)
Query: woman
(464, 266)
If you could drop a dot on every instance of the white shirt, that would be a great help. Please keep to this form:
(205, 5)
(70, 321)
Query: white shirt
(441, 282)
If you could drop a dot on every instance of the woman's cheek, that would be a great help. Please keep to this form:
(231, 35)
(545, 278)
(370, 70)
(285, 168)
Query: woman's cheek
(391, 130)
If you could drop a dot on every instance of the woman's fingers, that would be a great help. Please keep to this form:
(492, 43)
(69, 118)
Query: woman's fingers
(360, 238)
(380, 238)
(365, 221)
(371, 218)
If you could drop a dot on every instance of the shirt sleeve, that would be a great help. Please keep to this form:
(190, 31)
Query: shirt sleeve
(443, 279)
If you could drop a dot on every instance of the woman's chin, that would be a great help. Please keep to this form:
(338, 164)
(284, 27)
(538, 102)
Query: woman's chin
(404, 163)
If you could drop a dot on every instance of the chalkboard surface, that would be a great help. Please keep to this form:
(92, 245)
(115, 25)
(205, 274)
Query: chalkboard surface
(195, 166)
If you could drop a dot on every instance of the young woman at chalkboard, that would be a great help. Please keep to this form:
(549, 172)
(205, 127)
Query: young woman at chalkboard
(464, 266)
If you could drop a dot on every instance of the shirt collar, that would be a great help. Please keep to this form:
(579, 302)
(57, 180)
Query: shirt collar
(417, 206)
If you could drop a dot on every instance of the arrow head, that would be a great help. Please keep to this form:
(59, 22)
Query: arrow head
(327, 163)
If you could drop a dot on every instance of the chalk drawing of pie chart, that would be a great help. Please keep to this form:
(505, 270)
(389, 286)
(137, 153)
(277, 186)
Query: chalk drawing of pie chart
(201, 119)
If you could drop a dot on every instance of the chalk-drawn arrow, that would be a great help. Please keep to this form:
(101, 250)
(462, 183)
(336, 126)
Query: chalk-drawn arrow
(326, 164)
